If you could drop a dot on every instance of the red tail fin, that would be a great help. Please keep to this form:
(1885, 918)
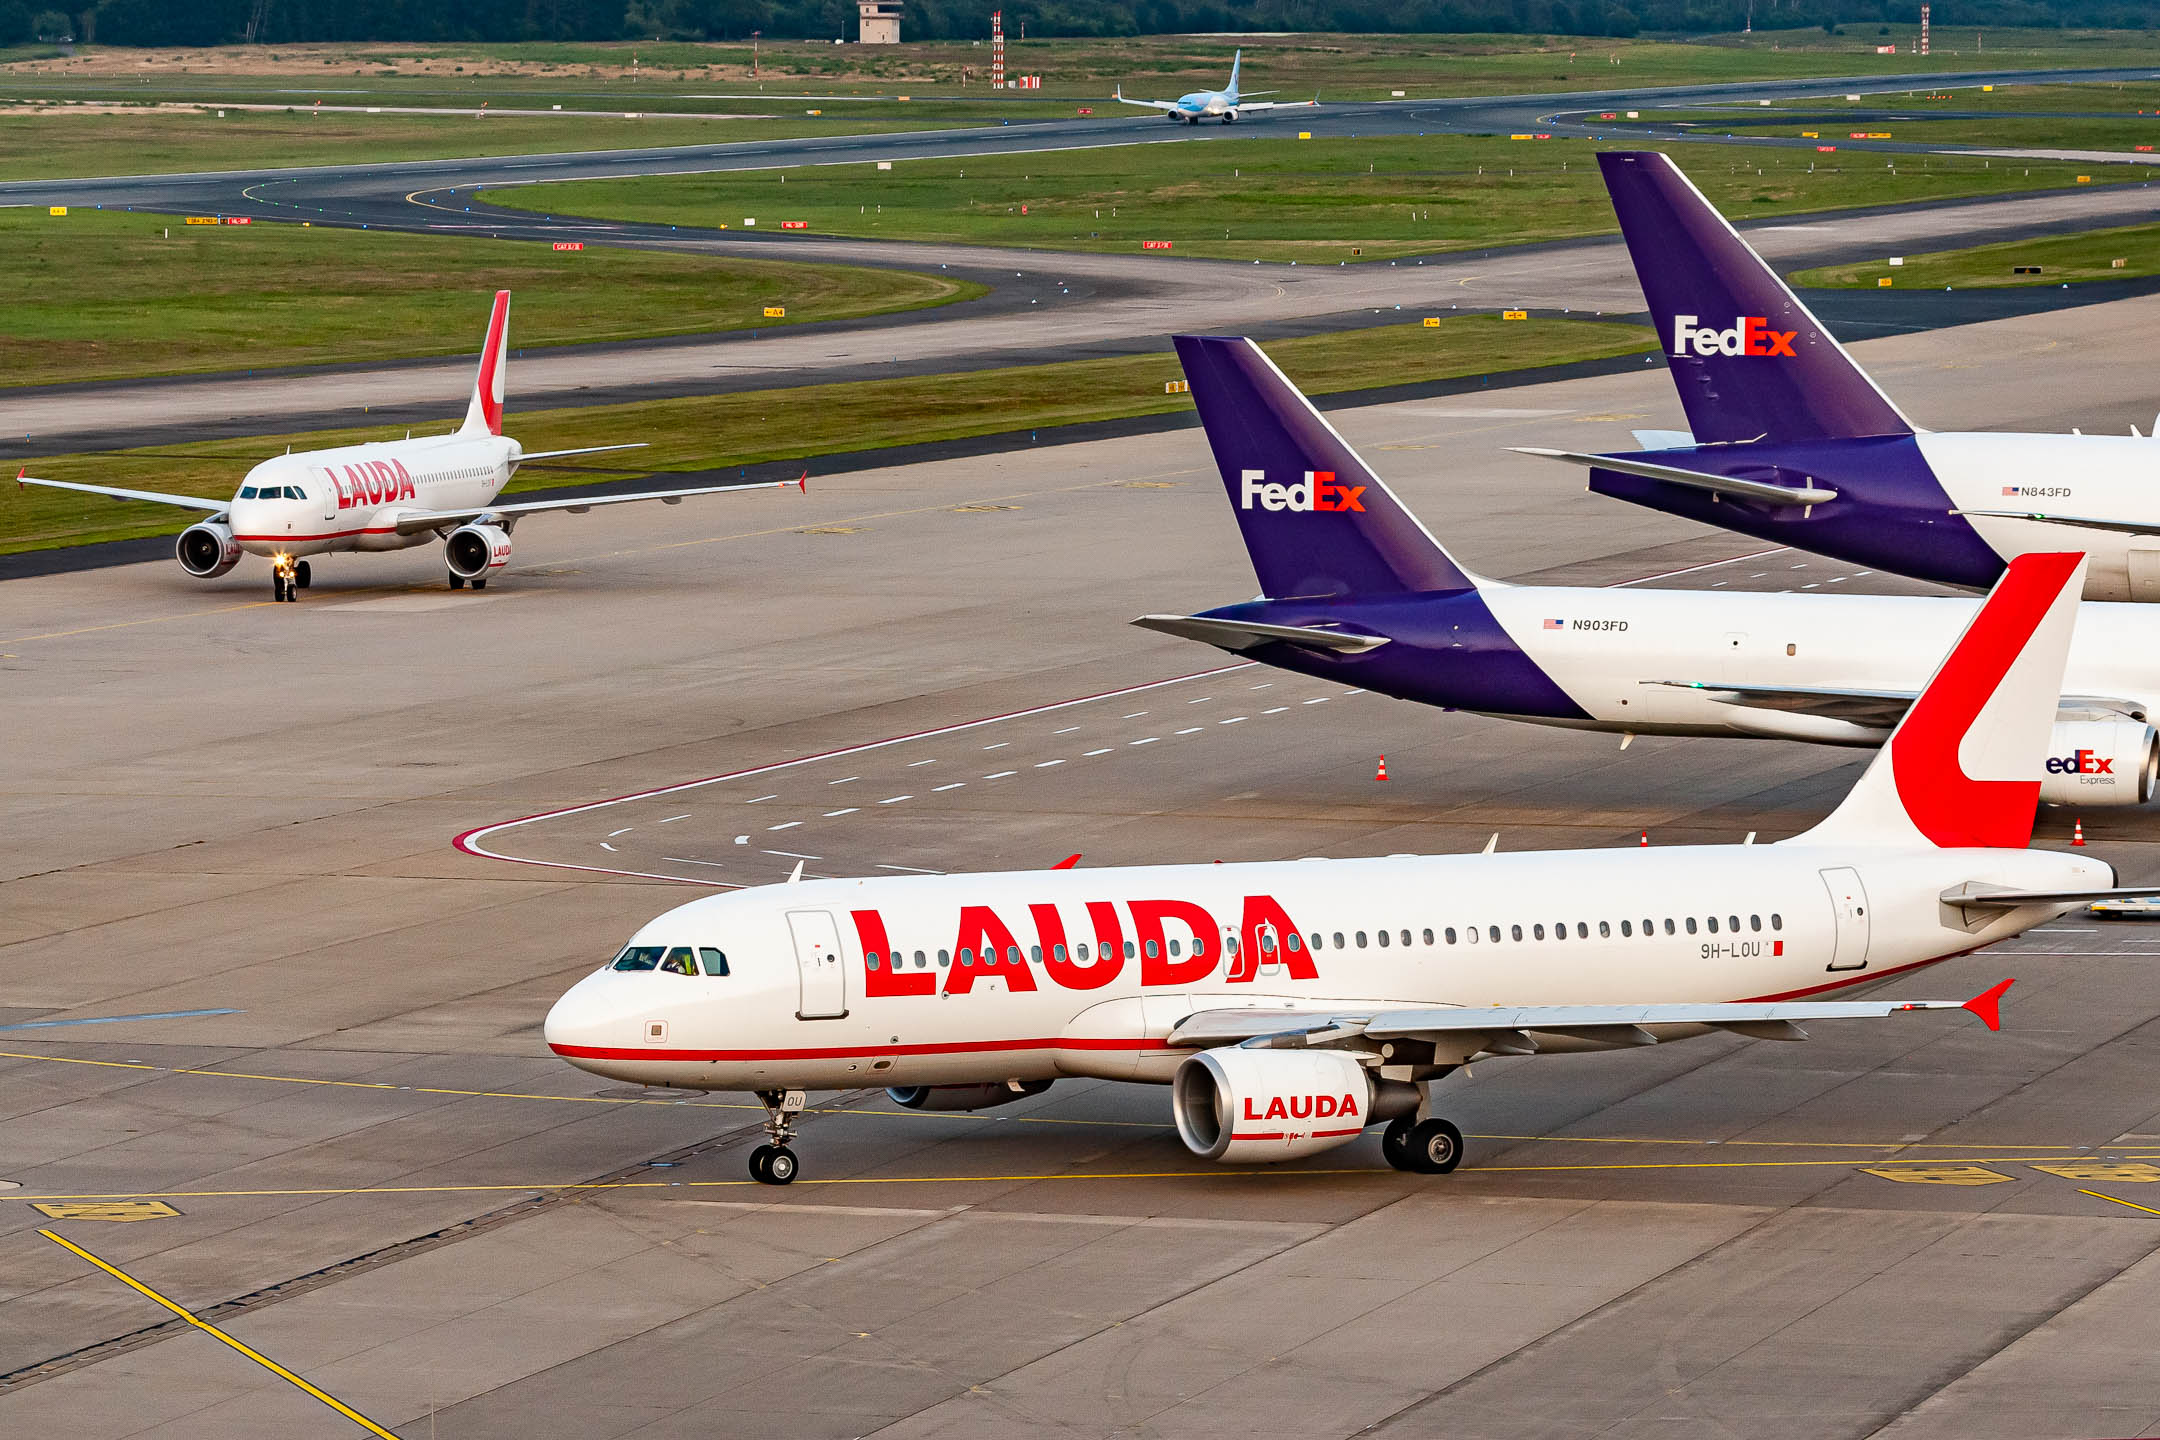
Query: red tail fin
(484, 415)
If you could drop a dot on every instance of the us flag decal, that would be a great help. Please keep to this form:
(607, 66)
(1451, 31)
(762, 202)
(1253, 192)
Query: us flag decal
(1555, 624)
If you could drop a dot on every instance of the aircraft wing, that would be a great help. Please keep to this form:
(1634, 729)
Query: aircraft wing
(1459, 1033)
(1881, 708)
(1761, 491)
(2083, 522)
(412, 522)
(584, 450)
(1245, 106)
(186, 502)
(1147, 104)
(1241, 635)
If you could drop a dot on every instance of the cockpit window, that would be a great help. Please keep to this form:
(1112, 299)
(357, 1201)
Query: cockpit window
(678, 961)
(247, 492)
(639, 957)
(715, 961)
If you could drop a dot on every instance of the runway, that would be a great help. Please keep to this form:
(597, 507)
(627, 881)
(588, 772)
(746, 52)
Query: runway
(350, 1150)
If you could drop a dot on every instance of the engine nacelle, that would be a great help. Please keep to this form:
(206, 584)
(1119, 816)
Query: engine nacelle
(2101, 762)
(1242, 1105)
(207, 550)
(964, 1097)
(475, 552)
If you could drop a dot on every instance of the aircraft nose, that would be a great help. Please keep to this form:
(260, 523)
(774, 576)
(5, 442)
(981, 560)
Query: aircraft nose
(594, 1015)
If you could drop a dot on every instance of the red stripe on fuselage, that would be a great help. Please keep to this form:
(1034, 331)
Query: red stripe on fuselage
(958, 1047)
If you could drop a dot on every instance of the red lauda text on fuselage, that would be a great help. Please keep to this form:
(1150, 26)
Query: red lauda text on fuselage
(1265, 931)
(370, 482)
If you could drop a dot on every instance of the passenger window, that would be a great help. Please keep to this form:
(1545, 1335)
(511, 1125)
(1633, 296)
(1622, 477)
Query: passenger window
(1080, 951)
(1293, 942)
(1338, 940)
(678, 961)
(1669, 925)
(1691, 924)
(872, 960)
(1383, 938)
(922, 961)
(1516, 931)
(1128, 949)
(944, 959)
(1406, 936)
(1057, 952)
(1754, 922)
(1451, 934)
(1012, 954)
(1627, 929)
(1173, 947)
(1428, 938)
(1361, 939)
(1733, 923)
(1035, 953)
(715, 962)
(1777, 921)
(967, 955)
(1712, 923)
(1267, 943)
(638, 957)
(1582, 929)
(1559, 931)
(1537, 932)
(1494, 932)
(1604, 929)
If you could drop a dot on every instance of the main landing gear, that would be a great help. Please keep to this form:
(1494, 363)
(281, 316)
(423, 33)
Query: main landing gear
(1423, 1147)
(775, 1164)
(288, 577)
(457, 582)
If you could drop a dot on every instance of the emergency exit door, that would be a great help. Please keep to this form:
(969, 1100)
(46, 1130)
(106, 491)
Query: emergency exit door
(1848, 907)
(817, 963)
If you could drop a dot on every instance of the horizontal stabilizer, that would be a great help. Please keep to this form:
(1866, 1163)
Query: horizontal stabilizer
(2083, 522)
(1862, 707)
(1973, 895)
(1242, 635)
(1761, 491)
(1664, 439)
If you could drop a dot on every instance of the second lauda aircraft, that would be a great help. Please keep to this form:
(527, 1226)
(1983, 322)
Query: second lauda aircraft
(1791, 441)
(386, 496)
(1354, 589)
(1294, 1004)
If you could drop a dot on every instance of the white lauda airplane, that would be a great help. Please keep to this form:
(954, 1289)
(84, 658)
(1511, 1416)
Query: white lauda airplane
(1354, 589)
(1293, 1004)
(388, 495)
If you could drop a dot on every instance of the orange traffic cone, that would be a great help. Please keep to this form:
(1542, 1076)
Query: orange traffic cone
(1646, 837)
(1383, 769)
(2077, 832)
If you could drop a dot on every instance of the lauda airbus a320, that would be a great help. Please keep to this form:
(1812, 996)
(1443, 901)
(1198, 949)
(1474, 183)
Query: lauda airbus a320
(390, 495)
(1293, 1004)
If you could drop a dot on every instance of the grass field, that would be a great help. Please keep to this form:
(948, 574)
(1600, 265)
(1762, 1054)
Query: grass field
(739, 429)
(1270, 197)
(2063, 259)
(2024, 132)
(104, 294)
(2109, 98)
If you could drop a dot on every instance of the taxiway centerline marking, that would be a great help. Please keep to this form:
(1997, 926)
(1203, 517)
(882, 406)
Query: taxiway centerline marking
(253, 1354)
(2131, 1203)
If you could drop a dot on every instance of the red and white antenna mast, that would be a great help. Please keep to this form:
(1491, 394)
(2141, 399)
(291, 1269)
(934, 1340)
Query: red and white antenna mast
(997, 50)
(1923, 29)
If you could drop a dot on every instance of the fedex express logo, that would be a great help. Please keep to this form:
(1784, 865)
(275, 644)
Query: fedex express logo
(1317, 492)
(1750, 335)
(2081, 762)
(371, 482)
(1172, 942)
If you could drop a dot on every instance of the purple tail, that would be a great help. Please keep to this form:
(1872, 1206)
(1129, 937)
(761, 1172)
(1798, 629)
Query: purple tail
(1316, 520)
(1750, 360)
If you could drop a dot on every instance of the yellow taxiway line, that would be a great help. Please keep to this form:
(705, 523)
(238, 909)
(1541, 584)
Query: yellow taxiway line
(2131, 1203)
(253, 1354)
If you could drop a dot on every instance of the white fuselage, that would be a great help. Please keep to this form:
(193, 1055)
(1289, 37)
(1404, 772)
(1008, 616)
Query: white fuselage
(2094, 477)
(351, 498)
(1612, 646)
(842, 983)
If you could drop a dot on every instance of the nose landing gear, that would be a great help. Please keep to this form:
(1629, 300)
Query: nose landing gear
(775, 1164)
(288, 577)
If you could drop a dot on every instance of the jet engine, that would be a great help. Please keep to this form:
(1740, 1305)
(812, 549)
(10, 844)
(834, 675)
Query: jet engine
(207, 549)
(964, 1097)
(475, 552)
(1243, 1105)
(2101, 762)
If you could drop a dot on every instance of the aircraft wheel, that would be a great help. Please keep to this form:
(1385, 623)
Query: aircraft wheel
(759, 1158)
(302, 575)
(480, 583)
(457, 582)
(1433, 1147)
(1395, 1142)
(781, 1167)
(277, 589)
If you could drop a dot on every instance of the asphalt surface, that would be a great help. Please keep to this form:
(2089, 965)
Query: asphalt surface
(365, 1166)
(1044, 305)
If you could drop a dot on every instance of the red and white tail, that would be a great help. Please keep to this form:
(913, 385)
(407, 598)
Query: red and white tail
(1963, 767)
(484, 415)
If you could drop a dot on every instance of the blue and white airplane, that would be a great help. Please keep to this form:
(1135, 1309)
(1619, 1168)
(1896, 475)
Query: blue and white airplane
(1224, 104)
(1354, 589)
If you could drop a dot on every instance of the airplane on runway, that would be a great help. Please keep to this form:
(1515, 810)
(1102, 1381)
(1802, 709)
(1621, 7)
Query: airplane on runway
(1293, 1004)
(1791, 441)
(1225, 104)
(1354, 589)
(386, 495)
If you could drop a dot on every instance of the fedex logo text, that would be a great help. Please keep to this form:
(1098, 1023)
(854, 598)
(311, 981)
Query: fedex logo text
(2081, 762)
(1316, 492)
(1749, 335)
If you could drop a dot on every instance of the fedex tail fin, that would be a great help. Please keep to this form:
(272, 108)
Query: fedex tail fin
(1963, 767)
(484, 415)
(1750, 360)
(1316, 520)
(1236, 60)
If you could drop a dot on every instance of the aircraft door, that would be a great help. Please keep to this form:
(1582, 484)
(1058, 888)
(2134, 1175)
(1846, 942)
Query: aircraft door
(323, 486)
(818, 964)
(1848, 908)
(2144, 574)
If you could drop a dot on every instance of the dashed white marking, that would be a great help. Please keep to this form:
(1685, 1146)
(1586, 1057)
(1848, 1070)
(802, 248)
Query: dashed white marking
(686, 860)
(1001, 775)
(895, 799)
(742, 839)
(1046, 764)
(785, 825)
(911, 869)
(1276, 711)
(1066, 731)
(794, 855)
(913, 763)
(847, 781)
(1134, 716)
(1265, 685)
(624, 831)
(1092, 753)
(1234, 720)
(836, 814)
(609, 848)
(761, 799)
(673, 818)
(957, 784)
(999, 746)
(1201, 701)
(1317, 700)
(1149, 741)
(1192, 730)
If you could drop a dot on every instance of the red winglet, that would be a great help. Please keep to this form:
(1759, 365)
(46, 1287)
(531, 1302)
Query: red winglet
(802, 482)
(1067, 863)
(1988, 1004)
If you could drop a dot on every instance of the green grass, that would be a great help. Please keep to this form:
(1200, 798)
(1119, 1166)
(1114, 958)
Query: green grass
(2063, 259)
(1272, 198)
(2054, 132)
(96, 295)
(740, 429)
